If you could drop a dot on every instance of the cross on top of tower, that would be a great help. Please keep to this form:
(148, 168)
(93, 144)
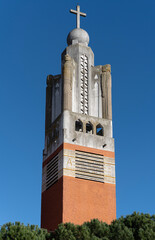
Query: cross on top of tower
(78, 14)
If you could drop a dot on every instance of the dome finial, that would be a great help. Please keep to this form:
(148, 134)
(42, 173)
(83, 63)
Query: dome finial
(78, 35)
(78, 14)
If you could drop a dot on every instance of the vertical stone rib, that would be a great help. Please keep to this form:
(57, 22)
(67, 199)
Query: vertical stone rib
(67, 83)
(109, 116)
(106, 92)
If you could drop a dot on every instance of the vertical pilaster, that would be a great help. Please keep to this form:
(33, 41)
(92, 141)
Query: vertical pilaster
(67, 73)
(106, 92)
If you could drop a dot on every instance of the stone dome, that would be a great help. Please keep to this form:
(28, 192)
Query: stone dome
(78, 35)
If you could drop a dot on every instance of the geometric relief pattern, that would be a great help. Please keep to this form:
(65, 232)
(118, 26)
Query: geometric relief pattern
(84, 85)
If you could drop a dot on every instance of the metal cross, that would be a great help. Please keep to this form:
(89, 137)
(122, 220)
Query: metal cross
(78, 13)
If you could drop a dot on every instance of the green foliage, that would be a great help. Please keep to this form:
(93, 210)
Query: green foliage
(132, 227)
(118, 231)
(141, 225)
(18, 231)
(98, 228)
(65, 231)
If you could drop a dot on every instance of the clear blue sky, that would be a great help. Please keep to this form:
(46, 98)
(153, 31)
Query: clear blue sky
(32, 37)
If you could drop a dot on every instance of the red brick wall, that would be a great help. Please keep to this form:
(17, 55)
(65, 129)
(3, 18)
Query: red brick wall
(51, 206)
(77, 200)
(84, 200)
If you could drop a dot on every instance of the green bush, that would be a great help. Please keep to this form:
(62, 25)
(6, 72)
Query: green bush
(18, 231)
(136, 226)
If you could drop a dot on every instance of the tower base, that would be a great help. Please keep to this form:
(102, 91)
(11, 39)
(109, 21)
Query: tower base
(77, 201)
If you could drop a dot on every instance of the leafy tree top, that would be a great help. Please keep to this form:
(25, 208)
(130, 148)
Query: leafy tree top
(132, 227)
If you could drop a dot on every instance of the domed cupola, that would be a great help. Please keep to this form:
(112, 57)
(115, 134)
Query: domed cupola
(78, 35)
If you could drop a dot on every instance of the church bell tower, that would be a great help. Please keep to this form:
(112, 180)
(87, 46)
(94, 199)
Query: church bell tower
(78, 173)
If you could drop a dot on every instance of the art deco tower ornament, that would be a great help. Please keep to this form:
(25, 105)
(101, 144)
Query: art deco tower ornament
(78, 176)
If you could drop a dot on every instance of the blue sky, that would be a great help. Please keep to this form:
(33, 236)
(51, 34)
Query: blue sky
(32, 37)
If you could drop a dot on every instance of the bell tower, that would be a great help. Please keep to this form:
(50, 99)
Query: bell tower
(78, 174)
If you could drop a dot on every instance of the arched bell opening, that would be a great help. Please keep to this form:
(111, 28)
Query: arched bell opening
(89, 128)
(99, 130)
(78, 126)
